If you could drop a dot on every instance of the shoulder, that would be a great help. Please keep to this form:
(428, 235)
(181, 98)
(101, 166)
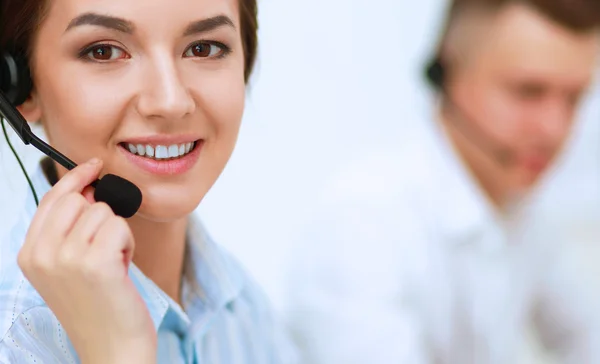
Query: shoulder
(249, 306)
(245, 321)
(29, 331)
(261, 336)
(35, 335)
(390, 176)
(389, 181)
(373, 222)
(17, 295)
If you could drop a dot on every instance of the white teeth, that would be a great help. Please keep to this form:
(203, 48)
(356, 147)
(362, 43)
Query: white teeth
(149, 151)
(160, 151)
(173, 151)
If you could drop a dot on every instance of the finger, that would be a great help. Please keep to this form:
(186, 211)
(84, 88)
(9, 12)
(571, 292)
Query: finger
(88, 193)
(90, 222)
(41, 252)
(113, 240)
(74, 181)
(65, 215)
(81, 236)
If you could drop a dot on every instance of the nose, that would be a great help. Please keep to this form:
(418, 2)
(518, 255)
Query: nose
(164, 95)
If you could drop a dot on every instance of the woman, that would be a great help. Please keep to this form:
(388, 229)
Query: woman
(152, 91)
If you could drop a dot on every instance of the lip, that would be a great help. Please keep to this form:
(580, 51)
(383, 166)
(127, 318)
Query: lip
(165, 167)
(165, 140)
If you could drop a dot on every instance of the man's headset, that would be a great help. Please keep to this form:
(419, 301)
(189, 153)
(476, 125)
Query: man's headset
(436, 74)
(16, 85)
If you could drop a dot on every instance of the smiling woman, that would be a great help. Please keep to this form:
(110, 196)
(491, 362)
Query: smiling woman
(154, 93)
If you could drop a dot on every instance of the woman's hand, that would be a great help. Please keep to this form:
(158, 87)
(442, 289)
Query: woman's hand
(76, 254)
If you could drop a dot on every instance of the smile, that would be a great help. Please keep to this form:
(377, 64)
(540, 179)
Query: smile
(162, 159)
(160, 152)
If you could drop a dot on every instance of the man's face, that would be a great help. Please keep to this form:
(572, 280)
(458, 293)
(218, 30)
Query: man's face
(522, 86)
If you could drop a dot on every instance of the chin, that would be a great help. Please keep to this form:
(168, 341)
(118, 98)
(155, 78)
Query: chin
(165, 210)
(527, 181)
(161, 216)
(171, 201)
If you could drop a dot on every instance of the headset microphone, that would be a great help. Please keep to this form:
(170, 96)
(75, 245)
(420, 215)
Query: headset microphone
(123, 197)
(436, 75)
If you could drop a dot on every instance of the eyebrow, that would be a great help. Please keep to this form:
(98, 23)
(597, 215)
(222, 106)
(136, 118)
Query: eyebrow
(206, 25)
(100, 20)
(125, 26)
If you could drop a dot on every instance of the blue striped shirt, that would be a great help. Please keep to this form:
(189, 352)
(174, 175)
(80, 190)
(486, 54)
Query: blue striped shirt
(226, 321)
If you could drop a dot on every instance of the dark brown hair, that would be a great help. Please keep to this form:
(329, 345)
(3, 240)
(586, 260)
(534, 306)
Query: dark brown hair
(20, 20)
(577, 15)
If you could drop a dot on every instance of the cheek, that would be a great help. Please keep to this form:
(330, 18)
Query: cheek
(219, 109)
(79, 117)
(222, 102)
(503, 115)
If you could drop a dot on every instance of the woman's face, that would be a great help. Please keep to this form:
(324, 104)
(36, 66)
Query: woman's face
(137, 83)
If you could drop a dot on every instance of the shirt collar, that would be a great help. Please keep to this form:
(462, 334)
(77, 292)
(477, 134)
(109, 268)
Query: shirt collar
(219, 279)
(218, 275)
(217, 282)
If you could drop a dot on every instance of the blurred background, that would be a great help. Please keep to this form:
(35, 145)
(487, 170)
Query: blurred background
(335, 79)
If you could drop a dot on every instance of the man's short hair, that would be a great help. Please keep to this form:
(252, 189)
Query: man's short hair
(581, 16)
(576, 15)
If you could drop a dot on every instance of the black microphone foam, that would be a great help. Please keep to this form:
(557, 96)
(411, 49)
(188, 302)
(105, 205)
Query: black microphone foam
(123, 197)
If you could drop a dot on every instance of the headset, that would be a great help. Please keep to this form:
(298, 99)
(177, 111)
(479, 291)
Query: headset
(16, 85)
(436, 74)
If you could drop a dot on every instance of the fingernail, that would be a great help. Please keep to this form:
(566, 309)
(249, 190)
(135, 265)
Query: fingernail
(94, 161)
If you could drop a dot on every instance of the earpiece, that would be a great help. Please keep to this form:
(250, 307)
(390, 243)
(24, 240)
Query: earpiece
(15, 77)
(436, 76)
(435, 73)
(16, 84)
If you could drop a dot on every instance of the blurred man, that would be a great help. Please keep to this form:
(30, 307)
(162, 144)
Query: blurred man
(417, 258)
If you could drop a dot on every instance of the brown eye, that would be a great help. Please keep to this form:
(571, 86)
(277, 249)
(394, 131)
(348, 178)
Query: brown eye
(204, 50)
(103, 52)
(201, 50)
(106, 52)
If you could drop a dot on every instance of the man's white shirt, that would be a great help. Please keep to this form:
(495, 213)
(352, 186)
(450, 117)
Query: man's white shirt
(407, 262)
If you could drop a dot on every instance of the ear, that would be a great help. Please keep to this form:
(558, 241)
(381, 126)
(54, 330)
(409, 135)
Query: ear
(31, 108)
